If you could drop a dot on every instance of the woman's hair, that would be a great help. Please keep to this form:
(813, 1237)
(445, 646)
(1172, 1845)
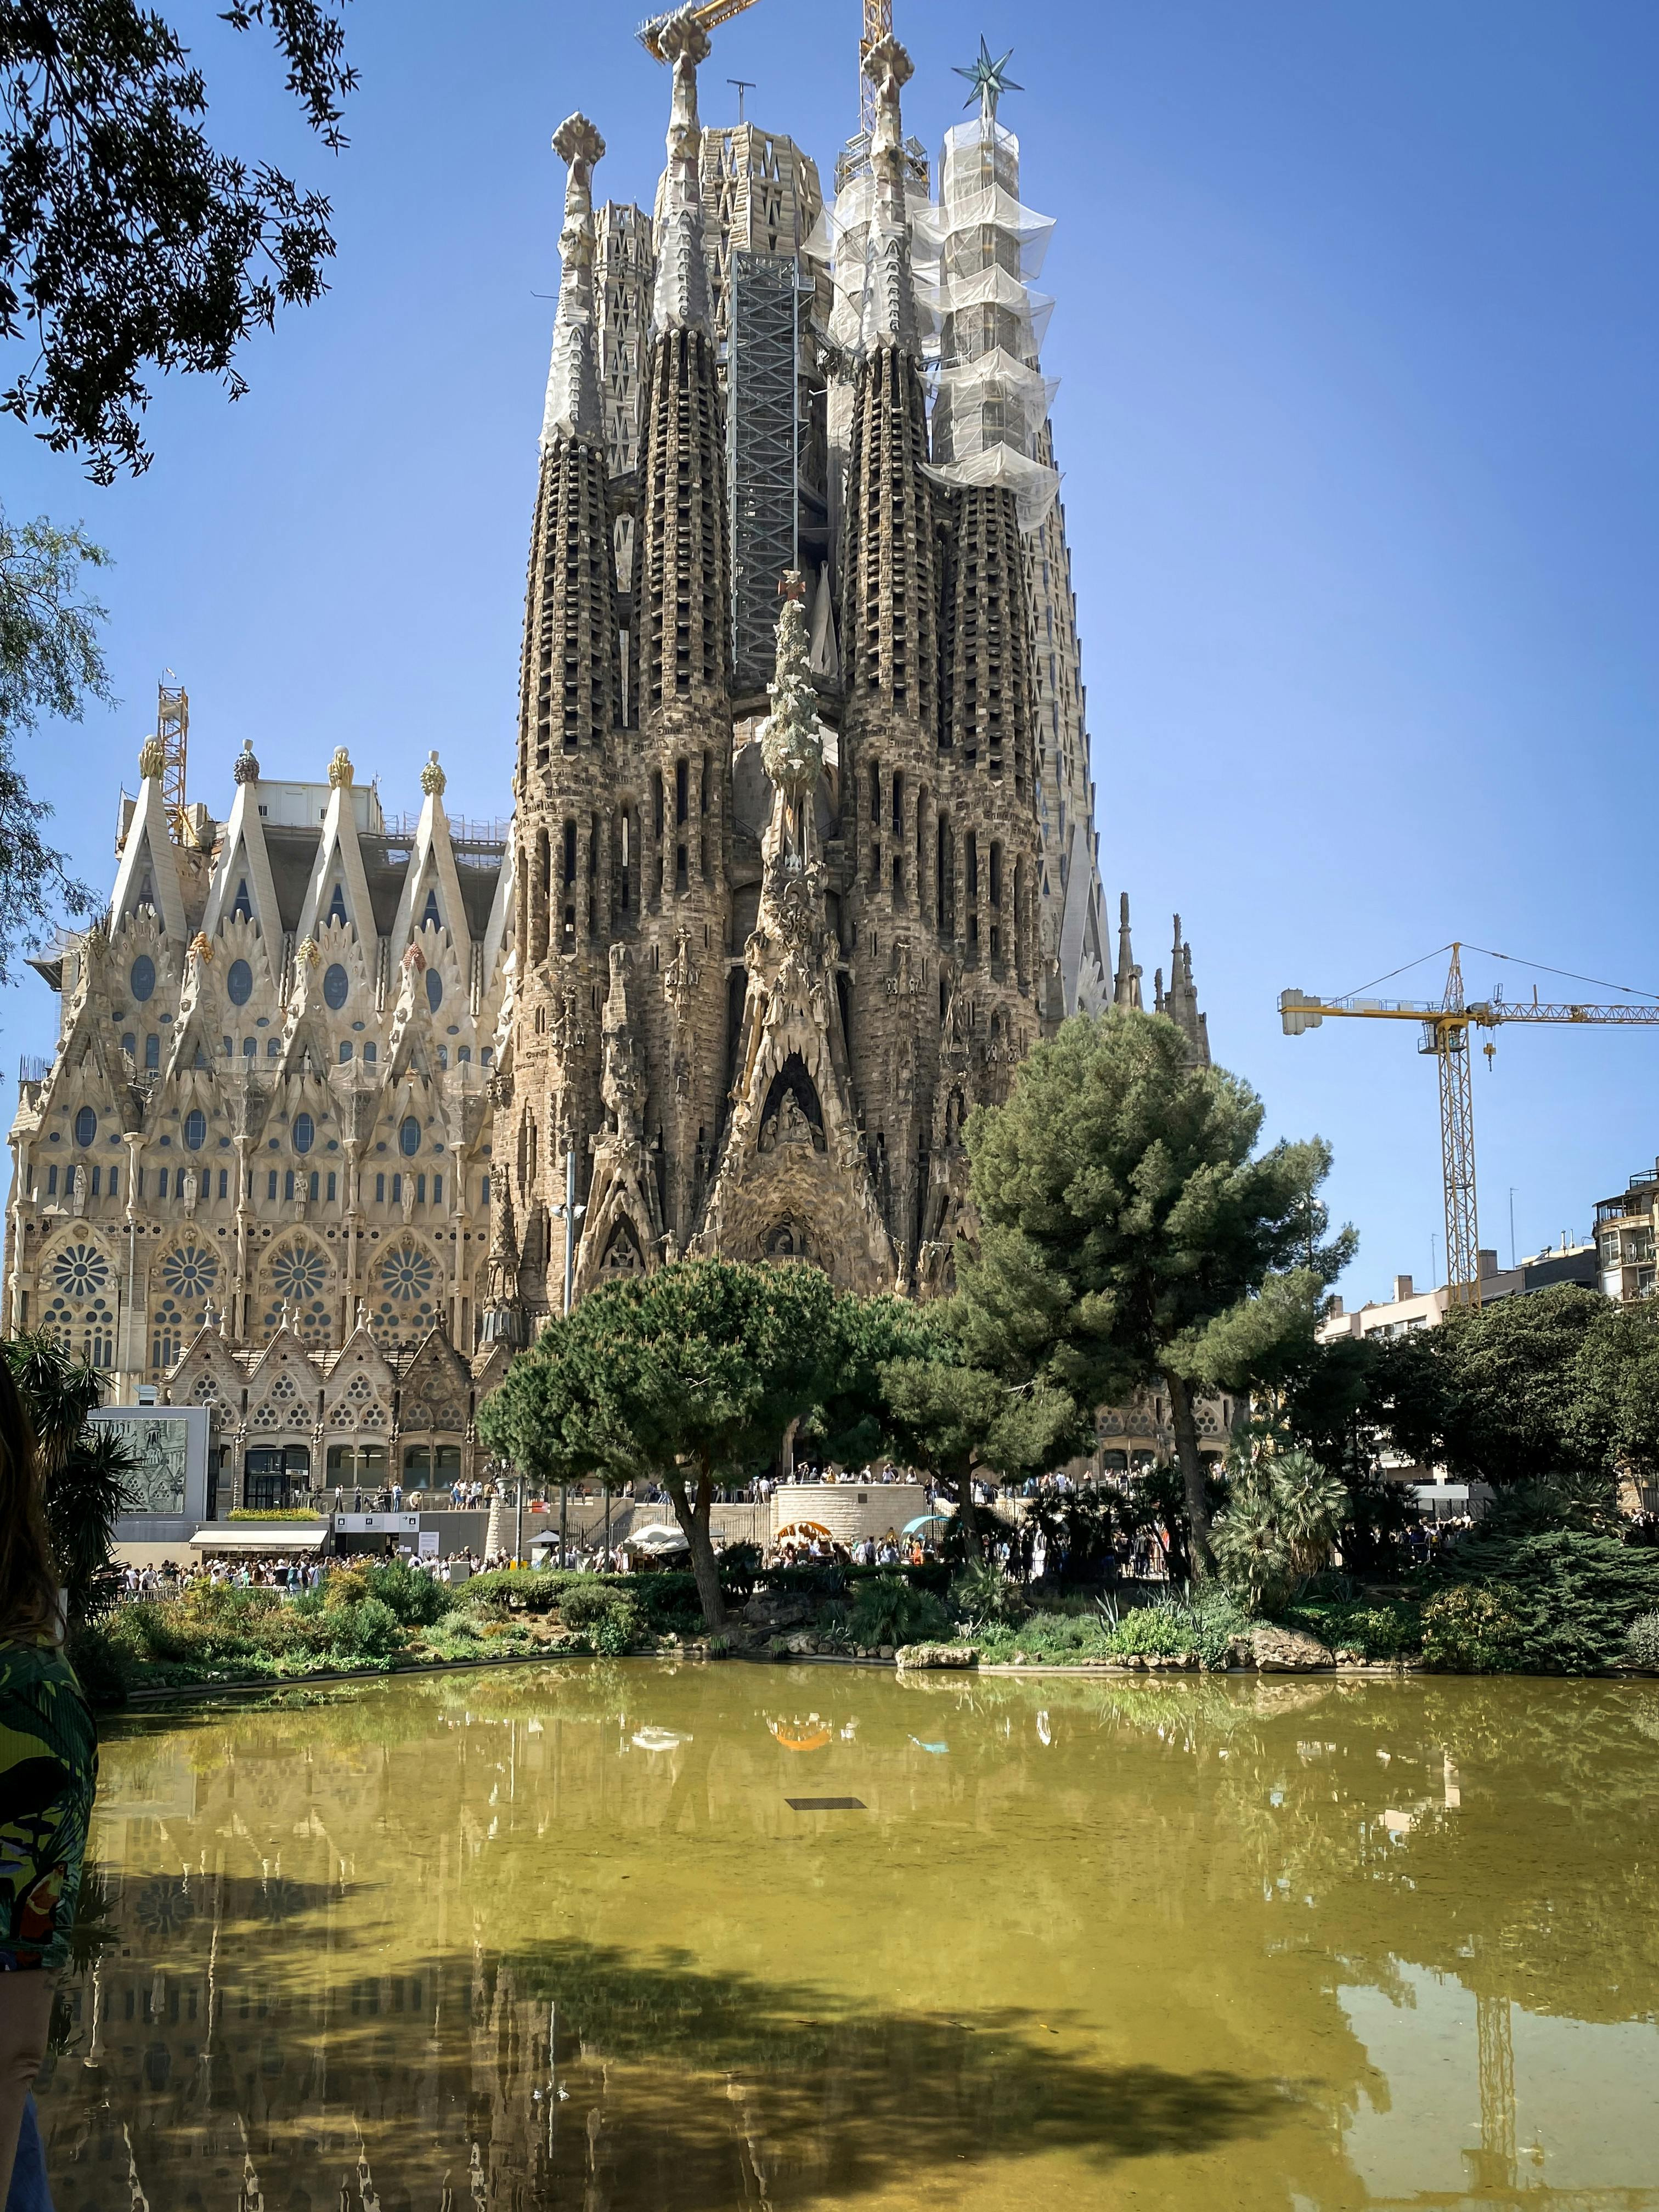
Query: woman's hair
(29, 1588)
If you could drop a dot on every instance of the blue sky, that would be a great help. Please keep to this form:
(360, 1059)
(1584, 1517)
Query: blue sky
(1356, 332)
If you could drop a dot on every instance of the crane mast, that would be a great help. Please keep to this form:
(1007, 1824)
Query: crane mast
(1445, 1036)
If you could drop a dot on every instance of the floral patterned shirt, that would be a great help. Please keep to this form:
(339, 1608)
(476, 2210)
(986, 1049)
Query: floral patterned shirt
(48, 1773)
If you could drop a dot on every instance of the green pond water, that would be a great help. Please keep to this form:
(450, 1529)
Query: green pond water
(558, 1937)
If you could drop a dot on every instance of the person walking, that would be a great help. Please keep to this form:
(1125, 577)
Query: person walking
(48, 1776)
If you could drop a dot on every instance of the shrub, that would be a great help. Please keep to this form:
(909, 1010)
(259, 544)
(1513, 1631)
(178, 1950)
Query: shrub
(1641, 1642)
(367, 1629)
(1282, 1519)
(98, 1660)
(1572, 1595)
(1471, 1631)
(739, 1564)
(982, 1592)
(514, 1590)
(607, 1616)
(1149, 1631)
(416, 1598)
(666, 1600)
(886, 1610)
(1389, 1630)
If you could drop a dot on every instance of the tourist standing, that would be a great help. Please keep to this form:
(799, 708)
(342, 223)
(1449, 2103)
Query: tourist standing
(48, 1772)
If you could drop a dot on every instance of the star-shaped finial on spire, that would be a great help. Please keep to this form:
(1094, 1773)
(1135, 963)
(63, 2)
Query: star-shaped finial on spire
(988, 79)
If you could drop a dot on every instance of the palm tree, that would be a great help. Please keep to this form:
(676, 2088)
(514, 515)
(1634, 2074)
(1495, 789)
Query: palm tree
(85, 1465)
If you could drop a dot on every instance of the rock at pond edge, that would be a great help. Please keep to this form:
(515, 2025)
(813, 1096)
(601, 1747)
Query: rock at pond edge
(937, 1655)
(1278, 1650)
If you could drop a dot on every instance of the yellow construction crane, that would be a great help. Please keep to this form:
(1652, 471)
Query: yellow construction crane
(1446, 1027)
(878, 24)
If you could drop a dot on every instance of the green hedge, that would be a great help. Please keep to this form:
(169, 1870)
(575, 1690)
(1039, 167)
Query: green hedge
(1391, 1629)
(667, 1603)
(1554, 1604)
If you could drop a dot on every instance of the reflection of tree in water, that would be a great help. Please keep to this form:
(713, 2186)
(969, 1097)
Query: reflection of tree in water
(311, 2059)
(1237, 1823)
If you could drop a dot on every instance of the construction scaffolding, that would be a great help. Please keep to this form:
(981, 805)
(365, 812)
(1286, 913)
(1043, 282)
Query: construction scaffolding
(172, 728)
(762, 452)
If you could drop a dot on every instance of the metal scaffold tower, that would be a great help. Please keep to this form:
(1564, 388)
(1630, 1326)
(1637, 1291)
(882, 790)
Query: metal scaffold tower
(763, 452)
(172, 728)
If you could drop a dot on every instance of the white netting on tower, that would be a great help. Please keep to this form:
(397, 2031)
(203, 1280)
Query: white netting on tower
(975, 253)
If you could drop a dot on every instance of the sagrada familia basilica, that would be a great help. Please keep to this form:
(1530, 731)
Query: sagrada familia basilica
(802, 859)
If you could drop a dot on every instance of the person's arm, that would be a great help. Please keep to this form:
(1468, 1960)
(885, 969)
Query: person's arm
(25, 2018)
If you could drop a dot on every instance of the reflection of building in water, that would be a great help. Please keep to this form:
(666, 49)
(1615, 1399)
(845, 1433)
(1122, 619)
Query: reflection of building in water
(351, 1933)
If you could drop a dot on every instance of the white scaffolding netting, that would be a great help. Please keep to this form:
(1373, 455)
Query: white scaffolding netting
(1033, 485)
(975, 253)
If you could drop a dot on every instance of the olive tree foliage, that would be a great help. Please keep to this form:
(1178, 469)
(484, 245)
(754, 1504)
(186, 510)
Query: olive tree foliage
(50, 663)
(901, 1387)
(128, 240)
(688, 1377)
(1132, 1234)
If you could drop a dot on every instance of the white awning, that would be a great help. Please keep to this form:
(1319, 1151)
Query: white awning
(260, 1536)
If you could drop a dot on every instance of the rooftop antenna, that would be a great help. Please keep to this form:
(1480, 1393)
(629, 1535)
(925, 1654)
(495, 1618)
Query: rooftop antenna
(743, 84)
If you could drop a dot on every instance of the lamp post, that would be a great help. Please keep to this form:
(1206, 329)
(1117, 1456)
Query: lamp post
(570, 1214)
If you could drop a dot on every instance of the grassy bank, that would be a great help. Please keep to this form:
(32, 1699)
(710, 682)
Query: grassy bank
(1563, 1603)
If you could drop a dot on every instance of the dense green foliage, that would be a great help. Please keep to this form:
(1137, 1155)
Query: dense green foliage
(86, 1466)
(1130, 1234)
(688, 1377)
(127, 240)
(1559, 1389)
(50, 663)
(1555, 1604)
(886, 1609)
(1283, 1517)
(1389, 1628)
(1641, 1642)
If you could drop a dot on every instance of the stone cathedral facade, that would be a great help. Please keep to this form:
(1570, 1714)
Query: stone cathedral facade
(802, 859)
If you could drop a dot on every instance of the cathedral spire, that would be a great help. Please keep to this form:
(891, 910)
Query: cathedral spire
(681, 634)
(573, 382)
(1125, 984)
(889, 304)
(681, 301)
(1179, 1001)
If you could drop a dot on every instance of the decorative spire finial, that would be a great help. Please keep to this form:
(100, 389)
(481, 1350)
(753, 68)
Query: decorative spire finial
(246, 769)
(152, 759)
(989, 79)
(890, 307)
(573, 381)
(1125, 984)
(432, 779)
(681, 301)
(340, 770)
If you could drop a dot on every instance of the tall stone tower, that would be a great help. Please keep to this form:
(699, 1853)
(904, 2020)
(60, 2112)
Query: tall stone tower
(767, 964)
(568, 877)
(980, 251)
